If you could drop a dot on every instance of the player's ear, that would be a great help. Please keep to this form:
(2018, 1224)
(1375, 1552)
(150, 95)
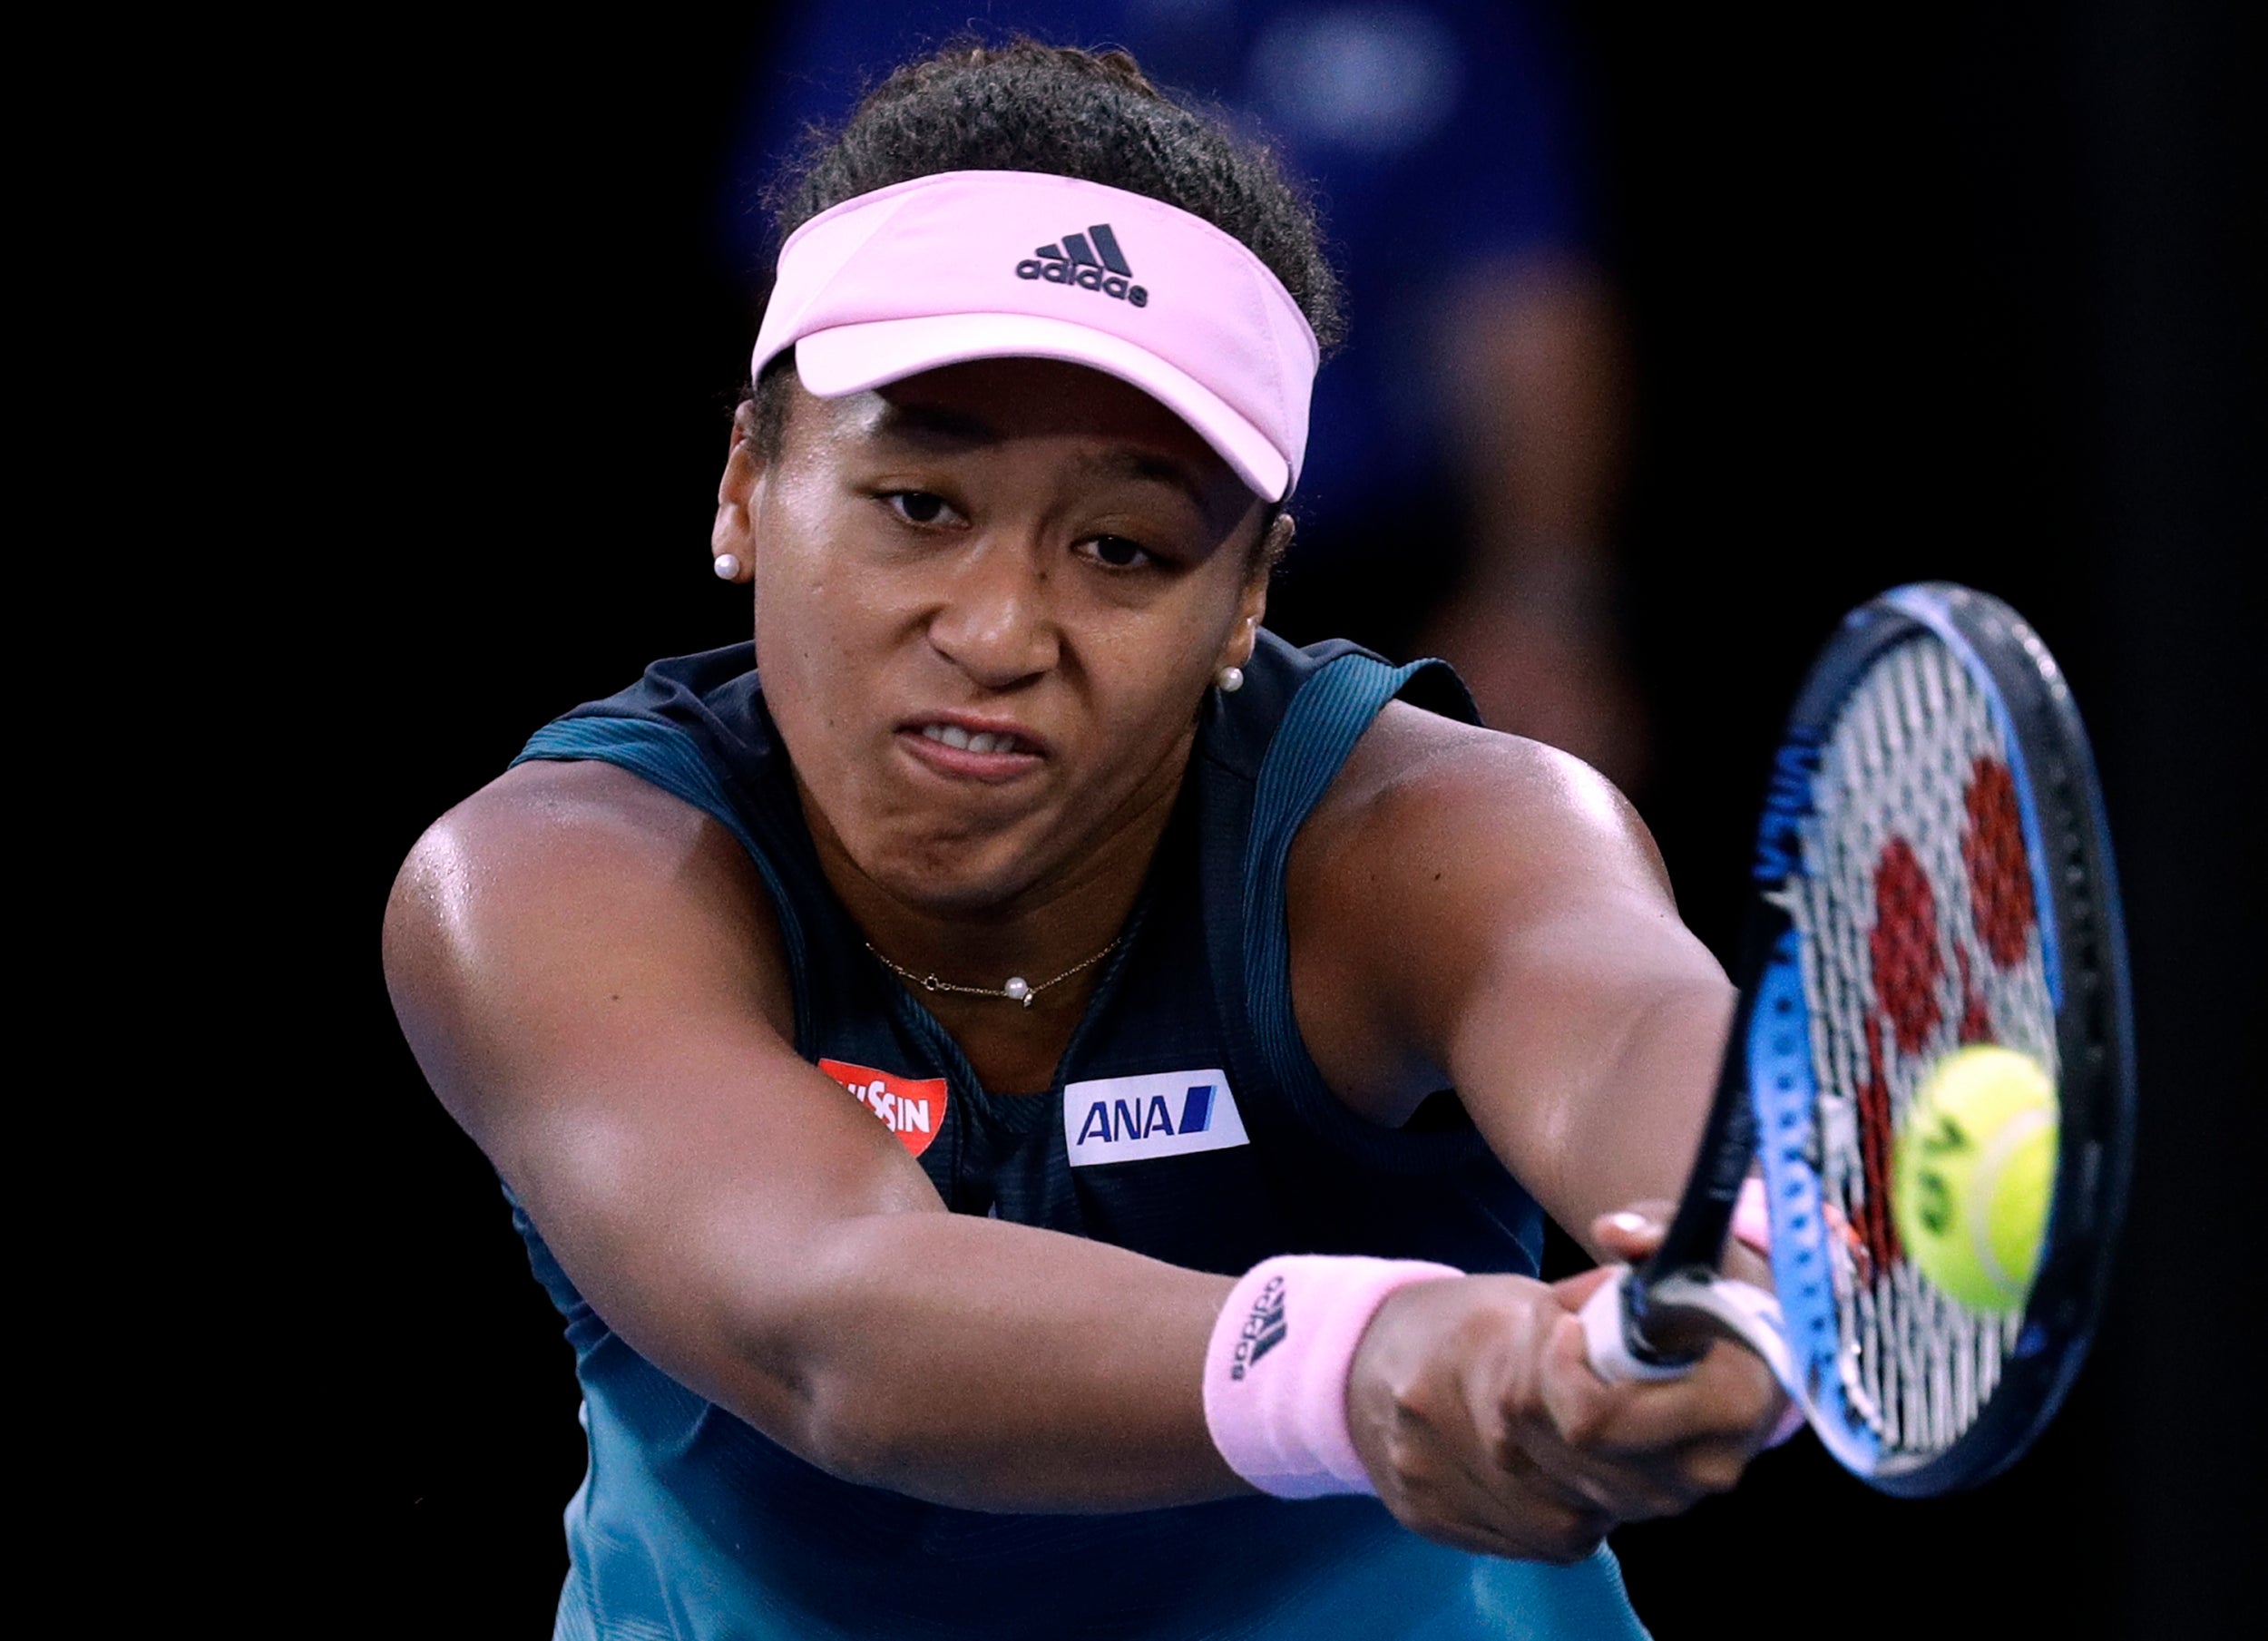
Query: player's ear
(1252, 603)
(732, 537)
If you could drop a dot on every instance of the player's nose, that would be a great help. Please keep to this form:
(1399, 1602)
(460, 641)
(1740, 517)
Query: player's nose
(994, 619)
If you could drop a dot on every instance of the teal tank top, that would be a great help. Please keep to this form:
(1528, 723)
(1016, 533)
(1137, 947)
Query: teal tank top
(1186, 1121)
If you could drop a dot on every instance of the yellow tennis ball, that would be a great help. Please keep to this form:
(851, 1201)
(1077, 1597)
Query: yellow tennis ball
(1973, 1172)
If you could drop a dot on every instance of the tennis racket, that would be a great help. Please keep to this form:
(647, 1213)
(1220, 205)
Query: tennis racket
(1931, 870)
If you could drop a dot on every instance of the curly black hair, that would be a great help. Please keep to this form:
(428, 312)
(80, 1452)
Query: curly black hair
(1030, 106)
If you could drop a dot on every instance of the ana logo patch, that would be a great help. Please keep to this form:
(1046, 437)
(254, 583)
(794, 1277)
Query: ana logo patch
(1164, 1114)
(913, 1108)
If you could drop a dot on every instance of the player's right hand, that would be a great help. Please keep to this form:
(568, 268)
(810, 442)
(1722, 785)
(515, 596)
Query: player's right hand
(1473, 1407)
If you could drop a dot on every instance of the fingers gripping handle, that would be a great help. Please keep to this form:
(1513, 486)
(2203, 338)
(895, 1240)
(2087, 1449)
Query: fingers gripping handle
(1606, 1319)
(1749, 1313)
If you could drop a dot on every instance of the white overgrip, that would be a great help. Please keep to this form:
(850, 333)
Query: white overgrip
(1744, 1311)
(1607, 1342)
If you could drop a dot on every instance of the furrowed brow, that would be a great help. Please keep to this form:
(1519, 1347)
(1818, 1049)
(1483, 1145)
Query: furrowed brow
(1124, 464)
(934, 426)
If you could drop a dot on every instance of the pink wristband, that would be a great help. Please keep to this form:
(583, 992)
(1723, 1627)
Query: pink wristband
(1276, 1371)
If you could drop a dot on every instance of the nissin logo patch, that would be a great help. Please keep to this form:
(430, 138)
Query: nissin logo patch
(913, 1108)
(1165, 1114)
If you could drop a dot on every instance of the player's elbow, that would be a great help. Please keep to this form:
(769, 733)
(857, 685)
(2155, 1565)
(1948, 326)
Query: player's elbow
(860, 1427)
(853, 1440)
(899, 1446)
(819, 1361)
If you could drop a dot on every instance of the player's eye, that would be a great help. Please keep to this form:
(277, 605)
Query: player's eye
(1117, 553)
(918, 506)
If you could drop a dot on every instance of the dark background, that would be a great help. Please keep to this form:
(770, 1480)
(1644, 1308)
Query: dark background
(1910, 298)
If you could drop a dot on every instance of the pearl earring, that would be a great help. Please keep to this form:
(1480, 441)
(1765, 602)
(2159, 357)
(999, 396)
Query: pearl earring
(727, 568)
(1231, 679)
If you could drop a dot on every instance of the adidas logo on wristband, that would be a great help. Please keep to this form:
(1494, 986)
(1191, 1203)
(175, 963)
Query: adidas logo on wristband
(1264, 1329)
(1092, 261)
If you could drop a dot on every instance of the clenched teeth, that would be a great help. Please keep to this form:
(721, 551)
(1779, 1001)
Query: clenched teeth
(954, 735)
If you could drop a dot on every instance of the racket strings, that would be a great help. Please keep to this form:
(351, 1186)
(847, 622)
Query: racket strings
(1918, 933)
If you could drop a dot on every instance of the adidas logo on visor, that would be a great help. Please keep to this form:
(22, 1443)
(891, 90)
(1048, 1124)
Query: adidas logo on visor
(1092, 261)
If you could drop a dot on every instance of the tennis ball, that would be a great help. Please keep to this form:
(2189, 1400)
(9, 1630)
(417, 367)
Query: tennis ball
(1973, 1172)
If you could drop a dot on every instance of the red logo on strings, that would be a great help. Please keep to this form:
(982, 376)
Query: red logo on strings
(1992, 848)
(1903, 948)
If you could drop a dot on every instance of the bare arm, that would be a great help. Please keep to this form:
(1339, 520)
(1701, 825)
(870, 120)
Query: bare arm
(1502, 924)
(1473, 910)
(590, 975)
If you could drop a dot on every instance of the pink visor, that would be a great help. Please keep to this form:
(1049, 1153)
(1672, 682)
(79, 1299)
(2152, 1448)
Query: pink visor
(1011, 264)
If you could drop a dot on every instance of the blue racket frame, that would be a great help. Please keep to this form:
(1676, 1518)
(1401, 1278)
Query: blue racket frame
(2075, 898)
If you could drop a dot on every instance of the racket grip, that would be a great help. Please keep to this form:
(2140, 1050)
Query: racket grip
(1744, 1311)
(1606, 1319)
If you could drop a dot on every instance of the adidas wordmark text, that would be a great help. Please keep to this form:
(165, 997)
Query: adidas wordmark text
(1092, 261)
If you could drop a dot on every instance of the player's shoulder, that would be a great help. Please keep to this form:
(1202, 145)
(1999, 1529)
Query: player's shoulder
(550, 852)
(1418, 782)
(554, 817)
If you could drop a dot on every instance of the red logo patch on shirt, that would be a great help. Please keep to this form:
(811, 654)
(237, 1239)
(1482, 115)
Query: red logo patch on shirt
(912, 1107)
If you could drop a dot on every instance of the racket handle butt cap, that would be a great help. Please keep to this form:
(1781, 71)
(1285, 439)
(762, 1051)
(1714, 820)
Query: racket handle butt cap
(1743, 1311)
(1604, 1317)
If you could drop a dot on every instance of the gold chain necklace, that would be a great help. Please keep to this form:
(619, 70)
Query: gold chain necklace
(1017, 991)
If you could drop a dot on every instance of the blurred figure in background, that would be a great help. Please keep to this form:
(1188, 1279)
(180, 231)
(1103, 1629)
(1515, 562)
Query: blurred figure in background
(1462, 510)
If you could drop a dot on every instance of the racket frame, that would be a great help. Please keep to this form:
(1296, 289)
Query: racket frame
(1767, 1093)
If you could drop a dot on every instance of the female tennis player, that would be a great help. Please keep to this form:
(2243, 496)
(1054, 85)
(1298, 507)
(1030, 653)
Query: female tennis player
(978, 1088)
